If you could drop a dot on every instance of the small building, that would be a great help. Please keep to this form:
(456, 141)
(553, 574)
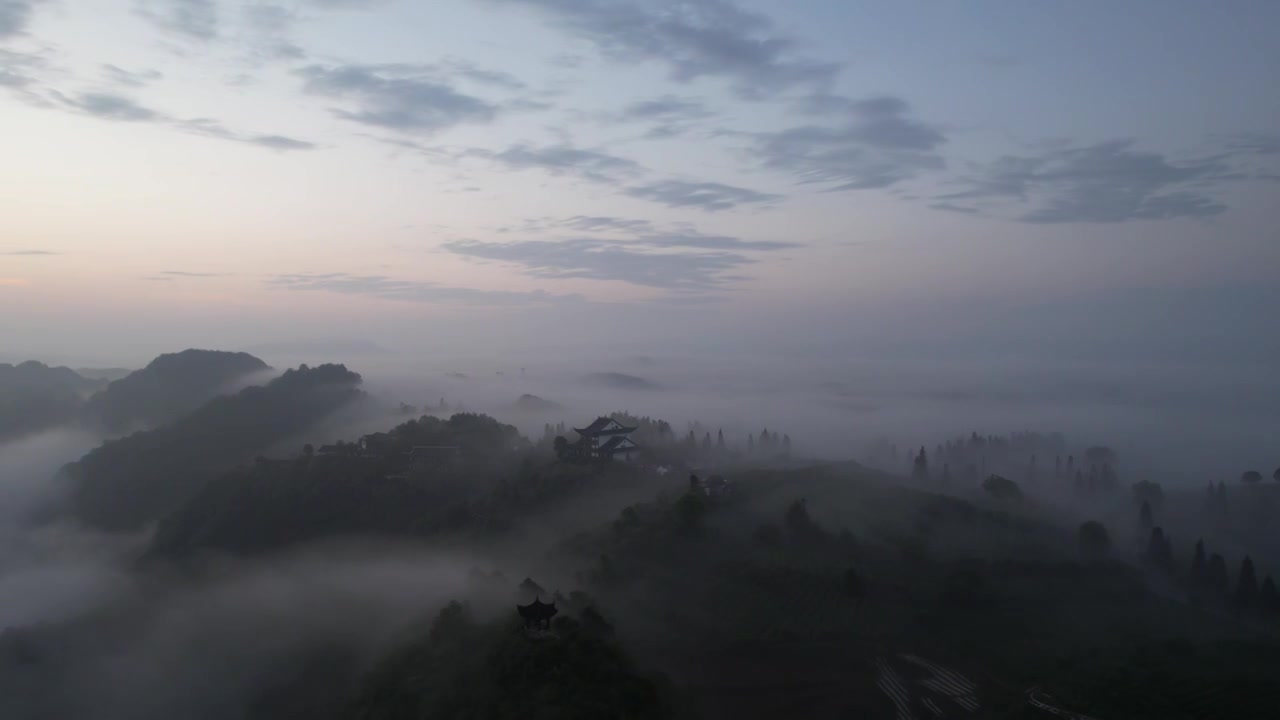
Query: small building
(376, 444)
(432, 456)
(606, 439)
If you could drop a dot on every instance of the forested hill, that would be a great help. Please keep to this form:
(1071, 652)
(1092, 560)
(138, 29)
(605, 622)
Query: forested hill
(129, 482)
(35, 397)
(170, 386)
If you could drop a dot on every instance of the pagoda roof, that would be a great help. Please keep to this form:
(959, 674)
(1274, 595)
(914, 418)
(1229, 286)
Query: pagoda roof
(598, 427)
(616, 442)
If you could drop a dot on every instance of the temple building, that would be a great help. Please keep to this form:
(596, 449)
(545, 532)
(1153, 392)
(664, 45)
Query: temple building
(606, 439)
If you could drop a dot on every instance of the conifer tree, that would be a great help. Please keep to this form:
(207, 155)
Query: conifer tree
(1217, 582)
(1246, 597)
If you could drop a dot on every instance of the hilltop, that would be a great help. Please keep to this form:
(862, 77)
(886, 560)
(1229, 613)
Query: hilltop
(128, 482)
(35, 397)
(168, 387)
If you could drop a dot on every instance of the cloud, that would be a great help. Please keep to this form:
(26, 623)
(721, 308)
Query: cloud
(407, 98)
(668, 115)
(603, 260)
(693, 39)
(379, 286)
(709, 196)
(871, 144)
(28, 253)
(563, 160)
(678, 258)
(15, 15)
(128, 78)
(183, 273)
(113, 107)
(1254, 144)
(13, 282)
(1108, 182)
(952, 207)
(196, 19)
(110, 106)
(267, 29)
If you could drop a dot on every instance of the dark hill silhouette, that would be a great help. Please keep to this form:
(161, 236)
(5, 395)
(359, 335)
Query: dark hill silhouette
(129, 482)
(35, 397)
(172, 385)
(621, 381)
(533, 403)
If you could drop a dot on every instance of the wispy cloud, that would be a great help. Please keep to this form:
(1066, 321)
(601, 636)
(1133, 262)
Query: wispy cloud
(693, 39)
(869, 143)
(405, 98)
(186, 274)
(130, 78)
(602, 260)
(383, 287)
(677, 258)
(709, 196)
(563, 160)
(121, 108)
(198, 19)
(667, 116)
(28, 253)
(15, 15)
(1108, 182)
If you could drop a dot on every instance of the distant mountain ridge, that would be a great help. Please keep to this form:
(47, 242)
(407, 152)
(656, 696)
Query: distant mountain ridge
(168, 387)
(126, 483)
(621, 381)
(35, 397)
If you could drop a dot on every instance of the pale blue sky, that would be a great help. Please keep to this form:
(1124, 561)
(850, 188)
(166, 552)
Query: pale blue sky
(222, 171)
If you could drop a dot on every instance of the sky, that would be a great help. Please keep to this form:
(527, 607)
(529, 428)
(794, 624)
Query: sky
(1077, 182)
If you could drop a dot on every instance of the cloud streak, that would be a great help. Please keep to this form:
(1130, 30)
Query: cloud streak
(195, 19)
(708, 196)
(406, 98)
(386, 288)
(591, 259)
(15, 15)
(693, 38)
(1109, 182)
(871, 143)
(563, 160)
(121, 108)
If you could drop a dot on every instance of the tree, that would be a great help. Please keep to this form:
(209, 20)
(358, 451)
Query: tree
(691, 508)
(799, 524)
(751, 444)
(706, 442)
(1276, 475)
(1268, 598)
(1217, 581)
(308, 450)
(1145, 521)
(1159, 551)
(853, 586)
(1198, 570)
(720, 440)
(1251, 476)
(920, 466)
(1094, 540)
(786, 444)
(769, 535)
(1002, 488)
(1148, 492)
(561, 447)
(946, 474)
(1246, 597)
